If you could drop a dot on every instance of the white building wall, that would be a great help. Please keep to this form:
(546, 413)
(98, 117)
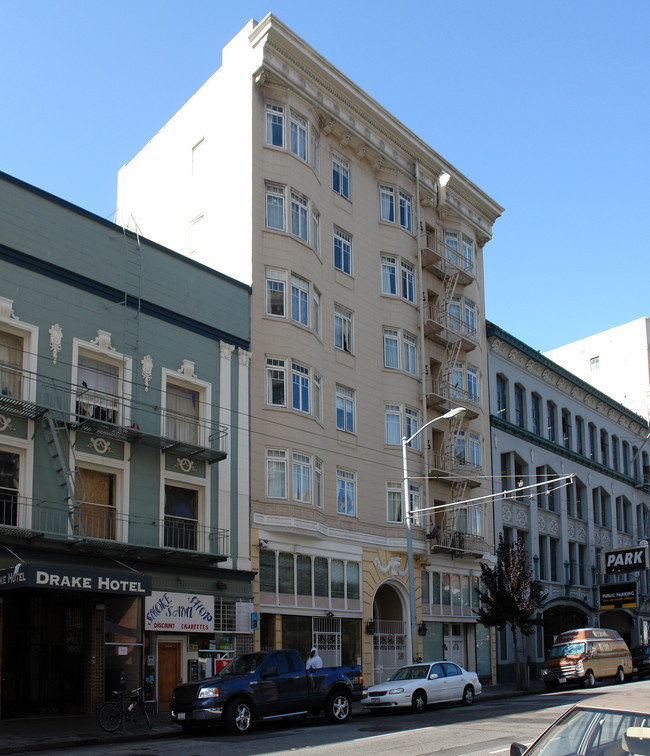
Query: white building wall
(616, 361)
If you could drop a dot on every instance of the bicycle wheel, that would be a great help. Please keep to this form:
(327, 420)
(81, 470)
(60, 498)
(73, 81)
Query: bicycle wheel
(109, 716)
(143, 706)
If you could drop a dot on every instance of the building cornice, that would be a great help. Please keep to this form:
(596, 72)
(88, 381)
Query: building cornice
(510, 348)
(378, 137)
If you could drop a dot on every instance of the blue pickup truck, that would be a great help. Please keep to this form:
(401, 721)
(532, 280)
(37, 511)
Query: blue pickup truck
(265, 685)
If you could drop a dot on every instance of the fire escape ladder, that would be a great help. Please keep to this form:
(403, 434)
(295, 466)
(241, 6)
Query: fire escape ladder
(61, 451)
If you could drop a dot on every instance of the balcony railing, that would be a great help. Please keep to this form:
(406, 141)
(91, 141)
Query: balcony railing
(113, 417)
(88, 522)
(456, 466)
(441, 391)
(440, 325)
(443, 261)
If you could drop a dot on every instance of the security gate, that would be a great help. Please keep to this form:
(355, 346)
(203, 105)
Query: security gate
(388, 649)
(326, 636)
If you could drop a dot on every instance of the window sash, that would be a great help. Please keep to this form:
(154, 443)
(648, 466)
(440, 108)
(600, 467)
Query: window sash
(298, 136)
(275, 207)
(302, 478)
(387, 203)
(275, 294)
(299, 301)
(300, 387)
(341, 177)
(275, 125)
(276, 382)
(182, 413)
(342, 252)
(410, 354)
(11, 363)
(344, 409)
(405, 217)
(393, 422)
(345, 493)
(342, 329)
(98, 389)
(391, 349)
(389, 275)
(299, 216)
(394, 503)
(276, 474)
(408, 282)
(412, 420)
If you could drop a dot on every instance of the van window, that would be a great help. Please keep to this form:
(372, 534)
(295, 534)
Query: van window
(564, 649)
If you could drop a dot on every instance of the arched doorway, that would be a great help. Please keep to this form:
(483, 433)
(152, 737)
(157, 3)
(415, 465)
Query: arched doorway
(389, 642)
(620, 621)
(562, 617)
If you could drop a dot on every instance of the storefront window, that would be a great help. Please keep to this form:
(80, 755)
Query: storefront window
(483, 669)
(350, 641)
(123, 639)
(297, 633)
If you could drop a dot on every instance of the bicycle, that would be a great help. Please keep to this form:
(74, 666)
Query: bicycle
(112, 714)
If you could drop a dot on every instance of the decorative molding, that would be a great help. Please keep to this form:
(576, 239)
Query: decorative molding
(5, 424)
(56, 337)
(103, 341)
(345, 141)
(506, 513)
(261, 78)
(362, 152)
(522, 518)
(393, 567)
(147, 370)
(225, 350)
(512, 355)
(7, 309)
(185, 465)
(100, 445)
(244, 358)
(187, 369)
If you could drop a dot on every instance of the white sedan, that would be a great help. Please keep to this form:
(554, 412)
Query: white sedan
(418, 685)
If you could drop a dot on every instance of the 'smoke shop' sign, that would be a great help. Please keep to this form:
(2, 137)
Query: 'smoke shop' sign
(625, 560)
(75, 579)
(179, 613)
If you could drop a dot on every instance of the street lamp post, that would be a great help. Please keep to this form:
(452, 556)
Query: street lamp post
(408, 514)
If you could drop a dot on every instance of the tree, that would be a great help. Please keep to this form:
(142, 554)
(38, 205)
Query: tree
(510, 597)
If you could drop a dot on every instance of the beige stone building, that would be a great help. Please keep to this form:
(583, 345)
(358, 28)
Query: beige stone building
(364, 248)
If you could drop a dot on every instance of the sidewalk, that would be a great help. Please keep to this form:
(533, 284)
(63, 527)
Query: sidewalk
(68, 732)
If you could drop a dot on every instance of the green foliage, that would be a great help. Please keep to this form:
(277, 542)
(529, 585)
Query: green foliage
(509, 596)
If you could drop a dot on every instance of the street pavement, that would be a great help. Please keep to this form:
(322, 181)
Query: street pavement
(67, 732)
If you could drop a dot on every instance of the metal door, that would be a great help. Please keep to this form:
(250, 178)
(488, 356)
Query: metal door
(388, 649)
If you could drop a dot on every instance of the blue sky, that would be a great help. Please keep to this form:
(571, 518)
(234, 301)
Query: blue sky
(544, 105)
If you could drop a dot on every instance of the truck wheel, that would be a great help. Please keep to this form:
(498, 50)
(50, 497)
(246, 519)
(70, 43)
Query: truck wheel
(338, 707)
(238, 717)
(588, 681)
(620, 676)
(419, 702)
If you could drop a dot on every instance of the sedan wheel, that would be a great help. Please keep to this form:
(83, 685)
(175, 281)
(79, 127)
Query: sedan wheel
(468, 696)
(418, 702)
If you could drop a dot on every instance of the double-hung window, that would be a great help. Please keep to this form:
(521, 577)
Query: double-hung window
(276, 382)
(451, 248)
(475, 450)
(394, 502)
(9, 487)
(470, 319)
(300, 379)
(393, 422)
(342, 328)
(391, 348)
(274, 125)
(346, 498)
(302, 478)
(317, 397)
(405, 211)
(275, 207)
(98, 388)
(410, 354)
(11, 364)
(342, 252)
(412, 420)
(181, 517)
(318, 483)
(387, 203)
(182, 413)
(299, 301)
(408, 282)
(389, 275)
(468, 253)
(276, 473)
(344, 409)
(459, 448)
(315, 230)
(341, 176)
(315, 310)
(276, 284)
(299, 215)
(472, 383)
(298, 137)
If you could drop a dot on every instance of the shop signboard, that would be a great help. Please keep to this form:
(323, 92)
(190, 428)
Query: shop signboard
(618, 596)
(67, 578)
(625, 560)
(179, 612)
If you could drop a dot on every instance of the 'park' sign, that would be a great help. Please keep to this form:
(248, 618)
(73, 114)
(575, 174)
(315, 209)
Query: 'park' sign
(626, 560)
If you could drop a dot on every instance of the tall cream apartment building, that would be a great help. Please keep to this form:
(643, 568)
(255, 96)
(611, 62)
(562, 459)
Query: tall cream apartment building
(364, 248)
